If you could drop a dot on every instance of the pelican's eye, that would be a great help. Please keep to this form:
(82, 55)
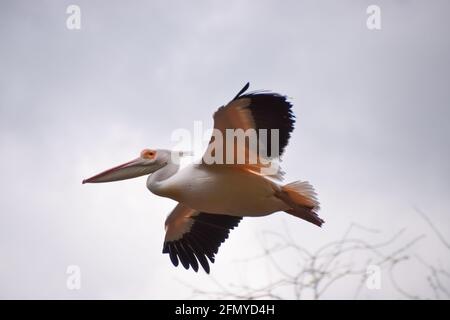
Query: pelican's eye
(148, 154)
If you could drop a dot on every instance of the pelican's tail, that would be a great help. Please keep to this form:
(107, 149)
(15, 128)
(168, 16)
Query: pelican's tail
(302, 199)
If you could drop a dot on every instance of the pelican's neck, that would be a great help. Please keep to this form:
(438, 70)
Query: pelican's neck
(157, 181)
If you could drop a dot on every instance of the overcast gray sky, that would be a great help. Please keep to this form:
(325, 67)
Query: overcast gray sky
(372, 130)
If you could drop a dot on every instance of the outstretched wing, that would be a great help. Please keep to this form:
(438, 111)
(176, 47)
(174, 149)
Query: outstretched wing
(193, 236)
(265, 112)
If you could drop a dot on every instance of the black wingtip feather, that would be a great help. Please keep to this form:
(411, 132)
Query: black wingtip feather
(245, 88)
(182, 255)
(207, 233)
(172, 254)
(188, 251)
(197, 249)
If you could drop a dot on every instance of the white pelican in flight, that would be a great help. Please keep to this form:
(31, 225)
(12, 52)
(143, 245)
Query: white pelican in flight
(214, 197)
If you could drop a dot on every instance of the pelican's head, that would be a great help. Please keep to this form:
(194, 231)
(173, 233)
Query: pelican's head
(148, 162)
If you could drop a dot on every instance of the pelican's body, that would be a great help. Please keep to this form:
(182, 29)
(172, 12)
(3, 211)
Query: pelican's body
(213, 196)
(213, 189)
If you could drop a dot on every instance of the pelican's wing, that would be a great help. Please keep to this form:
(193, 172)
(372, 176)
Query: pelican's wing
(255, 110)
(193, 236)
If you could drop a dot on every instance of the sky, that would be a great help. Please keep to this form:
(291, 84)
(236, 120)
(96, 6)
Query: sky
(371, 135)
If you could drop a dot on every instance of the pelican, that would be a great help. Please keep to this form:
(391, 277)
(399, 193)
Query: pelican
(214, 197)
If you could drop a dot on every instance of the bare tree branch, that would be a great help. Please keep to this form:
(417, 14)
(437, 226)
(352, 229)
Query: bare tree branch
(335, 262)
